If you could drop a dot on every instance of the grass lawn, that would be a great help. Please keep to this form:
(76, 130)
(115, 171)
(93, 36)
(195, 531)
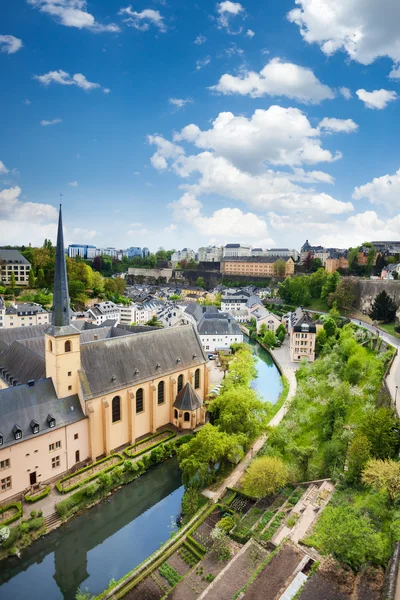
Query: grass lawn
(318, 304)
(389, 328)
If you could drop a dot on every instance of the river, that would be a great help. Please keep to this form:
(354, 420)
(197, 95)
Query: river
(268, 383)
(102, 543)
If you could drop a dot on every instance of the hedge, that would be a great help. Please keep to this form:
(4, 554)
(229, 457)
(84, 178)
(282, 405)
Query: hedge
(91, 477)
(35, 498)
(17, 515)
(171, 435)
(196, 544)
(193, 550)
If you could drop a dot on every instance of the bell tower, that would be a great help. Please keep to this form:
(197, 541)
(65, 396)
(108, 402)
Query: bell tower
(62, 340)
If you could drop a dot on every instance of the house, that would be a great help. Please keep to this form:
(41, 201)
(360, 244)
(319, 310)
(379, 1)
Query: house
(101, 311)
(256, 266)
(12, 261)
(235, 250)
(218, 331)
(25, 314)
(74, 391)
(210, 254)
(313, 251)
(303, 332)
(391, 272)
(264, 317)
(185, 254)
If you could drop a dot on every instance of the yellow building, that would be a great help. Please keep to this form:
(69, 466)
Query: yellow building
(257, 266)
(79, 391)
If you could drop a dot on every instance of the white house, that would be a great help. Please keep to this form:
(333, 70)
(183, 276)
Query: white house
(218, 331)
(104, 311)
(24, 314)
(234, 250)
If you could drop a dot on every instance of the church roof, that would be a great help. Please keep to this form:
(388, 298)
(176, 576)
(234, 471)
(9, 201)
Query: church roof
(188, 398)
(113, 364)
(61, 317)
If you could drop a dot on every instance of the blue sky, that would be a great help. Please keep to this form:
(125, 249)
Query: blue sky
(182, 124)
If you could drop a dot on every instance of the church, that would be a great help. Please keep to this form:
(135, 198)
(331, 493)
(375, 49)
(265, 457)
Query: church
(75, 391)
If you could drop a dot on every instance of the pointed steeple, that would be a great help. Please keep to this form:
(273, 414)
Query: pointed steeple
(61, 310)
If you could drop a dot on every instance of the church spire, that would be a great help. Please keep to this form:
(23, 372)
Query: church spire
(61, 310)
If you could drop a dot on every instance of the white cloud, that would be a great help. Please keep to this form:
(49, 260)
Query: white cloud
(233, 50)
(331, 125)
(381, 190)
(27, 102)
(226, 223)
(10, 44)
(201, 39)
(82, 234)
(64, 78)
(227, 11)
(366, 30)
(13, 209)
(73, 183)
(277, 79)
(203, 62)
(250, 33)
(142, 20)
(345, 92)
(360, 227)
(135, 225)
(395, 73)
(136, 173)
(180, 102)
(72, 13)
(165, 150)
(378, 99)
(106, 90)
(170, 228)
(138, 231)
(53, 122)
(3, 168)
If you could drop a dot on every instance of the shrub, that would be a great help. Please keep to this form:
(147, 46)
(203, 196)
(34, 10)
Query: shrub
(104, 480)
(14, 517)
(33, 514)
(64, 489)
(130, 451)
(15, 534)
(265, 476)
(145, 461)
(170, 574)
(35, 524)
(36, 497)
(157, 454)
(141, 464)
(91, 489)
(226, 524)
(40, 513)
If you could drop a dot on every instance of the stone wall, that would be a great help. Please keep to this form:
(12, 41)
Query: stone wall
(368, 289)
(146, 273)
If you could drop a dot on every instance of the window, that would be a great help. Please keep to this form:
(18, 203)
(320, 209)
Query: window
(76, 436)
(175, 413)
(5, 484)
(68, 346)
(54, 446)
(160, 394)
(180, 383)
(139, 400)
(4, 464)
(186, 416)
(50, 346)
(77, 456)
(197, 379)
(69, 388)
(116, 409)
(69, 373)
(55, 462)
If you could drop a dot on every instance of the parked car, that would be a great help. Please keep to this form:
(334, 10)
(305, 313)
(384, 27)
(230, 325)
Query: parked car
(211, 357)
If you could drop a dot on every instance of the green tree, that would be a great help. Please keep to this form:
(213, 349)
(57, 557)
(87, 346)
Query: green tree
(358, 455)
(316, 282)
(354, 369)
(344, 295)
(316, 264)
(154, 322)
(352, 257)
(263, 330)
(12, 281)
(269, 339)
(381, 428)
(201, 283)
(330, 327)
(302, 455)
(280, 268)
(383, 308)
(383, 475)
(31, 279)
(330, 285)
(265, 476)
(40, 281)
(239, 410)
(320, 341)
(348, 535)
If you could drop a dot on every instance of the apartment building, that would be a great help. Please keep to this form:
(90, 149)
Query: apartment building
(23, 315)
(210, 254)
(256, 266)
(235, 250)
(303, 332)
(12, 261)
(104, 311)
(82, 250)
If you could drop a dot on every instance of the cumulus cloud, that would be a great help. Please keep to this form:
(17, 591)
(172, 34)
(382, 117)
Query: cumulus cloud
(64, 78)
(72, 13)
(364, 30)
(144, 19)
(395, 73)
(73, 183)
(3, 168)
(180, 102)
(10, 44)
(236, 160)
(170, 228)
(201, 39)
(358, 228)
(45, 123)
(227, 12)
(250, 33)
(345, 92)
(381, 190)
(331, 125)
(13, 209)
(202, 62)
(83, 234)
(378, 99)
(277, 78)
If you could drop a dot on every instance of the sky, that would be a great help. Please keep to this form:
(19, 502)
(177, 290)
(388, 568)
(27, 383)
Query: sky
(181, 124)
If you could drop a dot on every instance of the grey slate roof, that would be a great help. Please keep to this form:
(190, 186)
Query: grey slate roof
(61, 307)
(13, 256)
(218, 324)
(115, 363)
(19, 405)
(25, 308)
(22, 364)
(188, 398)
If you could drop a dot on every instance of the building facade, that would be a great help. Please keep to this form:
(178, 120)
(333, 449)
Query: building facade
(235, 250)
(256, 266)
(23, 315)
(303, 332)
(210, 254)
(82, 250)
(104, 311)
(12, 261)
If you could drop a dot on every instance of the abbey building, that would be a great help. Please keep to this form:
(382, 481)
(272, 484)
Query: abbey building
(72, 392)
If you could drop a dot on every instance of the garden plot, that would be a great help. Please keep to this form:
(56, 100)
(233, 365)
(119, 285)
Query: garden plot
(242, 504)
(149, 442)
(89, 473)
(202, 535)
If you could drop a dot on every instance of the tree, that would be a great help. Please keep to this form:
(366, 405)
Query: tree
(316, 264)
(316, 281)
(263, 330)
(220, 544)
(352, 258)
(280, 329)
(201, 283)
(269, 339)
(265, 476)
(330, 327)
(154, 322)
(302, 456)
(345, 294)
(308, 261)
(40, 281)
(381, 427)
(120, 285)
(280, 268)
(281, 336)
(358, 455)
(354, 369)
(98, 263)
(320, 341)
(383, 308)
(31, 279)
(330, 285)
(383, 475)
(239, 410)
(348, 535)
(12, 281)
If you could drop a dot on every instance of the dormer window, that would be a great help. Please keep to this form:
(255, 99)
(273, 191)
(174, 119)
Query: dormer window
(17, 431)
(1, 439)
(304, 327)
(51, 420)
(34, 426)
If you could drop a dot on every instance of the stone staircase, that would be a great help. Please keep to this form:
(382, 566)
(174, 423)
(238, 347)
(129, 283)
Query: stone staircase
(52, 521)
